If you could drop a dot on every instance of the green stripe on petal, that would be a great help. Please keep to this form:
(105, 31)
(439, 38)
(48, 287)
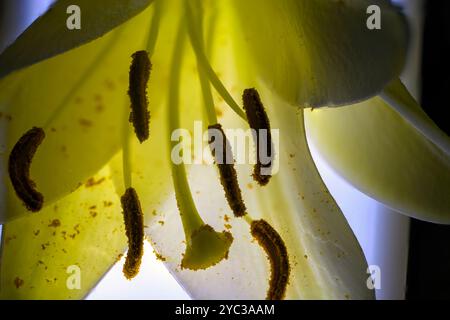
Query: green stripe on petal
(399, 98)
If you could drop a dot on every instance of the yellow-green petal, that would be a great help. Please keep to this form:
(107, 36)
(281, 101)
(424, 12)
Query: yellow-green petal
(320, 52)
(80, 99)
(82, 234)
(372, 147)
(49, 35)
(326, 260)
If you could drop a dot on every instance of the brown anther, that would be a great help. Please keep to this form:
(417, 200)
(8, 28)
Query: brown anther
(228, 176)
(138, 80)
(19, 168)
(258, 121)
(269, 239)
(134, 227)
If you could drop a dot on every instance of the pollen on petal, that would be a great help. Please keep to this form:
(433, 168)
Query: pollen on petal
(134, 227)
(222, 153)
(269, 239)
(139, 75)
(19, 168)
(259, 122)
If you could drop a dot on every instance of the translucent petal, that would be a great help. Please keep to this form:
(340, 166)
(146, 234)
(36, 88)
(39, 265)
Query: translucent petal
(373, 148)
(41, 253)
(320, 52)
(49, 35)
(80, 99)
(326, 260)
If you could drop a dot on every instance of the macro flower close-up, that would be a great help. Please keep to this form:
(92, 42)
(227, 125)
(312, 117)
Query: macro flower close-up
(183, 123)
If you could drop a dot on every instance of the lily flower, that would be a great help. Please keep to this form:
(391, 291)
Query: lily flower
(73, 84)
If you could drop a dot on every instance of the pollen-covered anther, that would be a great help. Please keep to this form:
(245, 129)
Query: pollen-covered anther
(269, 239)
(259, 122)
(19, 168)
(139, 75)
(222, 153)
(134, 227)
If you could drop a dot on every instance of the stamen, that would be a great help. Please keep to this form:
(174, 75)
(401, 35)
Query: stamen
(139, 76)
(258, 120)
(134, 226)
(19, 168)
(150, 45)
(269, 239)
(139, 117)
(228, 176)
(154, 27)
(203, 62)
(208, 100)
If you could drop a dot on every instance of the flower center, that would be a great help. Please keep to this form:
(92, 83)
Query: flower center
(263, 232)
(205, 247)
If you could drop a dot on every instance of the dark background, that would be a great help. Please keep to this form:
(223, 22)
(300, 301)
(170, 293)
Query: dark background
(429, 253)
